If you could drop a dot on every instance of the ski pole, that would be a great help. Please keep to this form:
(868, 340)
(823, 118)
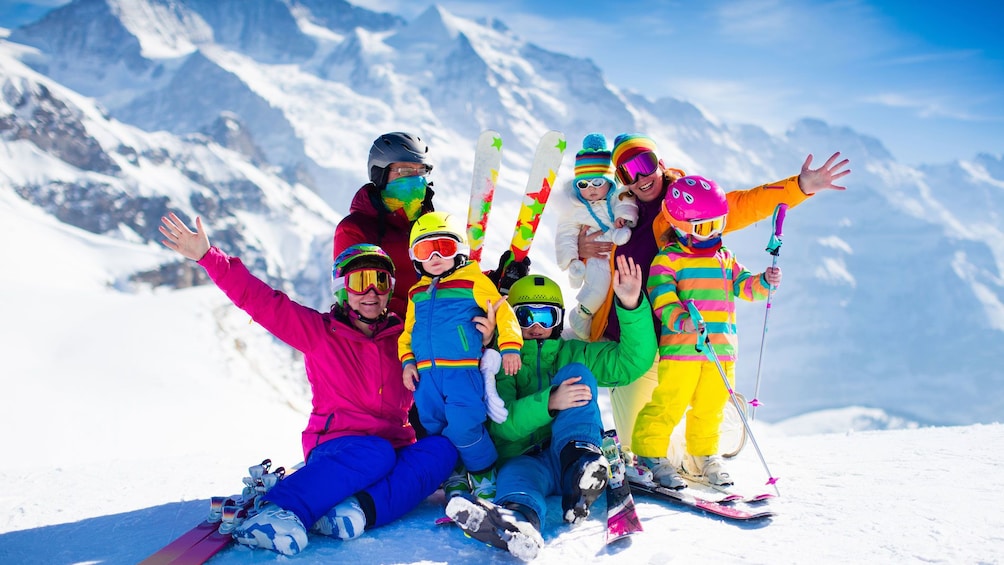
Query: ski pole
(704, 346)
(774, 248)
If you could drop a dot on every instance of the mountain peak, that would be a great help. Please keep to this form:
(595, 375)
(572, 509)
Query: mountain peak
(434, 25)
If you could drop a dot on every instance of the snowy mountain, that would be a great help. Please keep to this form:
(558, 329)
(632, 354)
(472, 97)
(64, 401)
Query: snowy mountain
(133, 392)
(246, 112)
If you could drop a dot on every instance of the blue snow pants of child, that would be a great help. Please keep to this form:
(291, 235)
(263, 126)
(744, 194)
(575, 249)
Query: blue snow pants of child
(396, 480)
(529, 479)
(451, 402)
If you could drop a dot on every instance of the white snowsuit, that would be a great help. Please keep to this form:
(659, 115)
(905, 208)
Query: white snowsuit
(594, 275)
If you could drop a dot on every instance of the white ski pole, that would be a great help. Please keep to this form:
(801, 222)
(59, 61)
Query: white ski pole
(774, 248)
(704, 346)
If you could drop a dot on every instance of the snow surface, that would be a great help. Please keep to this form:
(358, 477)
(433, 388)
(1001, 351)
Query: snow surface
(124, 412)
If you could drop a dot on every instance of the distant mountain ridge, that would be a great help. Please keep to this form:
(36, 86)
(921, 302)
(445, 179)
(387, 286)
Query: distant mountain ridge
(245, 111)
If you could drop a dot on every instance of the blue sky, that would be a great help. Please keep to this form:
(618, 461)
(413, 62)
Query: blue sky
(925, 78)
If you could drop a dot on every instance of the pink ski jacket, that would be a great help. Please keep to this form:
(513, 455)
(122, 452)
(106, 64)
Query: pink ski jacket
(355, 380)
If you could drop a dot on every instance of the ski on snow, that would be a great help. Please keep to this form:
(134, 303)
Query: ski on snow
(718, 493)
(687, 498)
(622, 520)
(199, 544)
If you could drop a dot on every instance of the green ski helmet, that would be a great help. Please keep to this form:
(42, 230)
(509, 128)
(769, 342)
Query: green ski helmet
(359, 256)
(538, 289)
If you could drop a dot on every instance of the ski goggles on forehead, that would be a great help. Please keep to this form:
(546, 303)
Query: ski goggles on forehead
(445, 247)
(361, 281)
(705, 229)
(547, 315)
(583, 184)
(641, 165)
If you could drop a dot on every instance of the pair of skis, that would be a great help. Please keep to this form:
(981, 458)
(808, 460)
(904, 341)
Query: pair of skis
(622, 519)
(543, 174)
(198, 545)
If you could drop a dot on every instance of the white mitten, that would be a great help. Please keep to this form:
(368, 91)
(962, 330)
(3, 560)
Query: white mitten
(576, 273)
(620, 236)
(491, 361)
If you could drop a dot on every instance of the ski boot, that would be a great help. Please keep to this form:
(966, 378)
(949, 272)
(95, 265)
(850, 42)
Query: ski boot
(584, 475)
(512, 527)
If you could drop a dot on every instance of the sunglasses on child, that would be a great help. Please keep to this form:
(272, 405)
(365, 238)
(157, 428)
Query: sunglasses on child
(641, 165)
(423, 249)
(361, 281)
(547, 315)
(583, 184)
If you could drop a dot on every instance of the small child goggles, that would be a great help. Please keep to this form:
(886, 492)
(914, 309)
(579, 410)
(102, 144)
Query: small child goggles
(641, 165)
(547, 315)
(706, 229)
(423, 249)
(583, 184)
(361, 281)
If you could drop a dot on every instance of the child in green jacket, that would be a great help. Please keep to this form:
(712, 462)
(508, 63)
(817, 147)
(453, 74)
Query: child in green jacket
(549, 444)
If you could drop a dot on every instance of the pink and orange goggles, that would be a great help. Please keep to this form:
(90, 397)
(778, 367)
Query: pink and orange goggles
(445, 247)
(361, 281)
(641, 165)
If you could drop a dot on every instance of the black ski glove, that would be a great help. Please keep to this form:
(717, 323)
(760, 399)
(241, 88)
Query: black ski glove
(504, 276)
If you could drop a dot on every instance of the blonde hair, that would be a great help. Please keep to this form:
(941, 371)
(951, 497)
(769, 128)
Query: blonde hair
(663, 230)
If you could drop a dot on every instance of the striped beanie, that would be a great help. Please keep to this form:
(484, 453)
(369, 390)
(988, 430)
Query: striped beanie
(594, 160)
(628, 145)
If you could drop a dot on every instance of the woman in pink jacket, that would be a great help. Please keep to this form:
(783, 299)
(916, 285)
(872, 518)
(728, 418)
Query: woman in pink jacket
(364, 467)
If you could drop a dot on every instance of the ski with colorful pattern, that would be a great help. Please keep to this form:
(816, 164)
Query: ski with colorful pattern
(543, 173)
(487, 162)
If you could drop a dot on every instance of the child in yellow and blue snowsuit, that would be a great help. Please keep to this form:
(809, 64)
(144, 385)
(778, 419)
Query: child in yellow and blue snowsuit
(694, 266)
(440, 347)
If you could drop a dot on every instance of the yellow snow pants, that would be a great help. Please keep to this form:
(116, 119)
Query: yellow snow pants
(683, 384)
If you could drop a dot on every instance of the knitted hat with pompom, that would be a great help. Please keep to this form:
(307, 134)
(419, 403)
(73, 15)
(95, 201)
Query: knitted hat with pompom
(594, 160)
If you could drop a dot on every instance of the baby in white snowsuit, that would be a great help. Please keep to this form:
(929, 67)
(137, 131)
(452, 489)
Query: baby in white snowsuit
(600, 206)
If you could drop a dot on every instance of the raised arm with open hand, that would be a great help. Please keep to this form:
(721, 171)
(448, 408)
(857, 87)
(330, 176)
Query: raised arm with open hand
(192, 245)
(627, 282)
(812, 180)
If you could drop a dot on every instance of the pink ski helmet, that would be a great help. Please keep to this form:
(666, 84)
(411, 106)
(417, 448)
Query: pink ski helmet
(696, 206)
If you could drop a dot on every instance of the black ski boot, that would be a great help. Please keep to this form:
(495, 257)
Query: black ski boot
(512, 527)
(584, 475)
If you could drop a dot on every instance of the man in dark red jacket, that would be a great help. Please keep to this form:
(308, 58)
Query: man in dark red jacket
(384, 209)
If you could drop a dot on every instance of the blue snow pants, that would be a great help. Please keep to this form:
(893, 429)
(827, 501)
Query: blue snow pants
(528, 479)
(396, 480)
(451, 402)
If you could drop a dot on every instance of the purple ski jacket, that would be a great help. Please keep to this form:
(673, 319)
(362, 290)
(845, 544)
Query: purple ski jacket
(355, 380)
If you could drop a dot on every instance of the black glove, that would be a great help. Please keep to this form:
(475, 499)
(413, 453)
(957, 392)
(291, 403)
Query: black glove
(505, 275)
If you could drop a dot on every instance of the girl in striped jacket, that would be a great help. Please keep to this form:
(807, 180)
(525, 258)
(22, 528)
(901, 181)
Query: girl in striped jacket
(694, 266)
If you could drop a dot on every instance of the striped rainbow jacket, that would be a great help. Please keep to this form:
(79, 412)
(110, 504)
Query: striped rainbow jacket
(711, 277)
